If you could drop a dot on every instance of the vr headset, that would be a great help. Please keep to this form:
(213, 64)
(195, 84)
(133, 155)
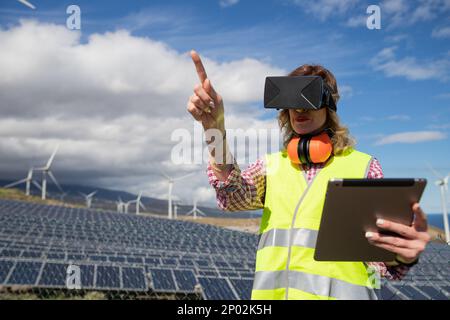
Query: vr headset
(298, 92)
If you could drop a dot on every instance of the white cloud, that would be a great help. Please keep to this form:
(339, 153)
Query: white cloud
(394, 6)
(112, 102)
(397, 38)
(443, 32)
(440, 126)
(357, 21)
(404, 13)
(115, 72)
(409, 67)
(411, 137)
(345, 91)
(394, 13)
(323, 9)
(228, 3)
(443, 95)
(399, 117)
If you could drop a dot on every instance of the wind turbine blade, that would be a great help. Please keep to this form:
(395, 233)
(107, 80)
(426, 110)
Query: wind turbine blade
(201, 212)
(30, 174)
(29, 5)
(90, 195)
(36, 185)
(55, 182)
(49, 163)
(437, 174)
(182, 177)
(165, 175)
(15, 183)
(142, 206)
(84, 195)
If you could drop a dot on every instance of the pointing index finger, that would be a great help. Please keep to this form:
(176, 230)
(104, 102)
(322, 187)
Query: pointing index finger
(199, 66)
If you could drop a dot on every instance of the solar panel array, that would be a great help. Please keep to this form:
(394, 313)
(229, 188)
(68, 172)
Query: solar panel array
(429, 279)
(123, 252)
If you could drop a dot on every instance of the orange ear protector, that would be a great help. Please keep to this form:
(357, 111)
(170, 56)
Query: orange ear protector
(310, 149)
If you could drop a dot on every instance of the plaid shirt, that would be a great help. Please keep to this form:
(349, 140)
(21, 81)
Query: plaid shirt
(245, 190)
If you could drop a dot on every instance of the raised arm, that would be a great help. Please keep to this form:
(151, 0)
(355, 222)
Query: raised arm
(206, 106)
(236, 190)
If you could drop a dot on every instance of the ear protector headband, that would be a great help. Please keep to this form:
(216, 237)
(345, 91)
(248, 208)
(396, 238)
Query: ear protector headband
(309, 149)
(298, 92)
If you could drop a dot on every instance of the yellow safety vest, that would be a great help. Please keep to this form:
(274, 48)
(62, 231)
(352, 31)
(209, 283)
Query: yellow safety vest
(285, 266)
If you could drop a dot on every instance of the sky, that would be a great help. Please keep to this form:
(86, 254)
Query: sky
(112, 93)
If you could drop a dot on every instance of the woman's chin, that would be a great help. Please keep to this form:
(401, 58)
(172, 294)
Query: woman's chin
(302, 130)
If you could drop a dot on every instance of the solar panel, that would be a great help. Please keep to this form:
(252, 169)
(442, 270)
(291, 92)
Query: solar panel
(243, 288)
(113, 250)
(87, 276)
(10, 253)
(207, 273)
(216, 289)
(163, 280)
(134, 278)
(53, 274)
(411, 293)
(98, 258)
(432, 292)
(169, 262)
(446, 290)
(185, 279)
(186, 262)
(31, 254)
(152, 261)
(5, 267)
(25, 273)
(108, 277)
(134, 260)
(387, 292)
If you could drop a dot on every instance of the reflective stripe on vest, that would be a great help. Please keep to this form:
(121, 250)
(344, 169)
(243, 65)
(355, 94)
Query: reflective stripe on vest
(311, 283)
(289, 228)
(280, 238)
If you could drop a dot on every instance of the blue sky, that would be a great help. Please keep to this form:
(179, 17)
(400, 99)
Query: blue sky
(395, 82)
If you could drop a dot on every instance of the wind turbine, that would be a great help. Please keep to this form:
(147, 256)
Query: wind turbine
(120, 205)
(138, 203)
(195, 210)
(442, 183)
(88, 198)
(125, 206)
(175, 208)
(171, 181)
(63, 196)
(28, 180)
(28, 4)
(46, 171)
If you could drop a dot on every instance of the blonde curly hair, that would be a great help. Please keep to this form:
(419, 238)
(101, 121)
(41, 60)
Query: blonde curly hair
(341, 139)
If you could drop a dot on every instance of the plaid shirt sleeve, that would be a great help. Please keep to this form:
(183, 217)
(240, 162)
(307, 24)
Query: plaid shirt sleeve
(242, 190)
(388, 272)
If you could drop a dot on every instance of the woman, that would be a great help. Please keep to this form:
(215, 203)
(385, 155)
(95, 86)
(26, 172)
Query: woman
(285, 268)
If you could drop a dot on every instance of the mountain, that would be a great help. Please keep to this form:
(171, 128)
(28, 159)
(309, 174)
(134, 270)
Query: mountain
(106, 199)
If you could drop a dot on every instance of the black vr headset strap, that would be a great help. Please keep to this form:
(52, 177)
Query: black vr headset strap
(327, 98)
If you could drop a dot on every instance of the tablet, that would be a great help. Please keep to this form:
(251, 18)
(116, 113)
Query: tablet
(352, 207)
